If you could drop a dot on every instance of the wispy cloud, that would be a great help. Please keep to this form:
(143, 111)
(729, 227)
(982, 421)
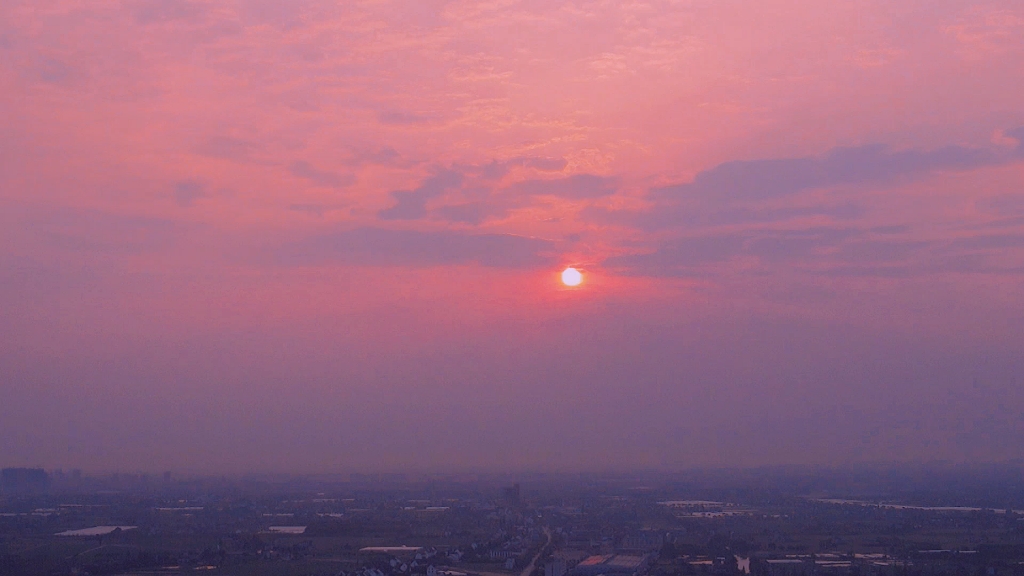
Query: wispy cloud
(387, 247)
(412, 204)
(742, 191)
(326, 178)
(830, 251)
(188, 191)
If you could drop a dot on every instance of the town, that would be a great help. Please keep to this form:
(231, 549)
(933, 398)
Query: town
(770, 523)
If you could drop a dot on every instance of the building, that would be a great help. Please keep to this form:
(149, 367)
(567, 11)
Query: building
(612, 564)
(512, 495)
(643, 541)
(556, 567)
(24, 480)
(505, 554)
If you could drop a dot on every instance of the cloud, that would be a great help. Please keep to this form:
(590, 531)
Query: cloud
(685, 256)
(741, 191)
(493, 170)
(50, 70)
(892, 229)
(321, 177)
(283, 14)
(412, 204)
(778, 246)
(227, 148)
(483, 201)
(385, 155)
(879, 251)
(152, 11)
(1004, 204)
(577, 187)
(1018, 135)
(743, 215)
(674, 257)
(105, 232)
(1000, 223)
(498, 203)
(834, 251)
(673, 215)
(540, 163)
(989, 242)
(314, 209)
(471, 212)
(756, 180)
(188, 191)
(399, 118)
(496, 169)
(384, 247)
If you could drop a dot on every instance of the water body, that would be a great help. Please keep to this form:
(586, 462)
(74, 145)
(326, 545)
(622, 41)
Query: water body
(95, 531)
(909, 507)
(287, 529)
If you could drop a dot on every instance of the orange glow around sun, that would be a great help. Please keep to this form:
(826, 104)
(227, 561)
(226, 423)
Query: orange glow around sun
(571, 277)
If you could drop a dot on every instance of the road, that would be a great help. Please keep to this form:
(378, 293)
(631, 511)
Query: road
(529, 567)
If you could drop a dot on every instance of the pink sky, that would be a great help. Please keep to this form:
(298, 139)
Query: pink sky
(294, 235)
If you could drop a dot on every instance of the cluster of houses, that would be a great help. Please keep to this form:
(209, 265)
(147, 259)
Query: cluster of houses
(430, 570)
(409, 561)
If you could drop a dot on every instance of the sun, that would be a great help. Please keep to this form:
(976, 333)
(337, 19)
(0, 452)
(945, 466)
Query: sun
(571, 277)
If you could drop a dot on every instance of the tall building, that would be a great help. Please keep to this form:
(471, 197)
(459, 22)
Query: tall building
(555, 567)
(512, 495)
(24, 480)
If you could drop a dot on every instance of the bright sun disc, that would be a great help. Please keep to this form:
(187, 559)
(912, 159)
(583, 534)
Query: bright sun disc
(571, 277)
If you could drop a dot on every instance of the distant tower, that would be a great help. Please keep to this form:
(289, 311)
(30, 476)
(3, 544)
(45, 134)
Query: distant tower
(512, 495)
